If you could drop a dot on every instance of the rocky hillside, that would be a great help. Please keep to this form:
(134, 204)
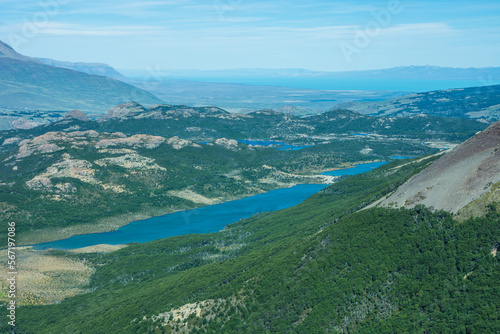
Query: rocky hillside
(464, 180)
(207, 123)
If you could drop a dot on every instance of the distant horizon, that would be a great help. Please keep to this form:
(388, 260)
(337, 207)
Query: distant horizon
(299, 68)
(405, 78)
(232, 34)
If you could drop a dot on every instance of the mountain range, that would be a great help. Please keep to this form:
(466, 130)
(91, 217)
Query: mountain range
(28, 84)
(90, 68)
(402, 72)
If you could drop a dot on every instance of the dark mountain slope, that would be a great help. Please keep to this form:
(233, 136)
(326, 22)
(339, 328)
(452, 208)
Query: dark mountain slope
(26, 83)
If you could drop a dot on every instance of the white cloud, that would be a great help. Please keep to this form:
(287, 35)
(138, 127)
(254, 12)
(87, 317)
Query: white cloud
(421, 29)
(65, 29)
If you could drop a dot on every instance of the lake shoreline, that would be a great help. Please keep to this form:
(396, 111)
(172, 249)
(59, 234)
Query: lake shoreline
(113, 224)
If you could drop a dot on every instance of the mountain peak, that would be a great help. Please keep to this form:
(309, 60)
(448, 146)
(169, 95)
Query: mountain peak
(76, 114)
(7, 51)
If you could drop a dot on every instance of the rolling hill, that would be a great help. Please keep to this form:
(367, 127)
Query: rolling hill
(482, 103)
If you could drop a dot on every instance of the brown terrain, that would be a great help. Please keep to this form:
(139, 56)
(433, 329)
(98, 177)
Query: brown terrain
(463, 181)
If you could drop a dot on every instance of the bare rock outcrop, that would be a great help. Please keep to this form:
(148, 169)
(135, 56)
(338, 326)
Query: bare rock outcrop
(125, 110)
(48, 142)
(229, 144)
(136, 141)
(178, 143)
(77, 115)
(131, 161)
(72, 168)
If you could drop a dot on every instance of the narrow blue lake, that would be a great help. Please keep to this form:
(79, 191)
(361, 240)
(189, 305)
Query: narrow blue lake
(284, 146)
(399, 157)
(278, 144)
(206, 219)
(358, 169)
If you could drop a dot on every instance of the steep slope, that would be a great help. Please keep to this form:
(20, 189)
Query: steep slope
(26, 83)
(475, 102)
(6, 51)
(460, 177)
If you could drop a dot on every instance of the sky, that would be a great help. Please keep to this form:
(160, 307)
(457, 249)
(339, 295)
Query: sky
(226, 34)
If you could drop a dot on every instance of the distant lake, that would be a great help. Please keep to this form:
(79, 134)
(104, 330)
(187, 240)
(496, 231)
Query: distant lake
(398, 157)
(284, 147)
(206, 219)
(324, 83)
(358, 169)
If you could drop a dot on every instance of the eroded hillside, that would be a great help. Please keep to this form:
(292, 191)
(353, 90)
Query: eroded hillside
(463, 181)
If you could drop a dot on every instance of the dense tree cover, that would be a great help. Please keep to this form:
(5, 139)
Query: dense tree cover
(200, 124)
(288, 127)
(322, 266)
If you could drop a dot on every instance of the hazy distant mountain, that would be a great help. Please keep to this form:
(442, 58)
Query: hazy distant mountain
(482, 75)
(6, 51)
(27, 84)
(90, 68)
(245, 98)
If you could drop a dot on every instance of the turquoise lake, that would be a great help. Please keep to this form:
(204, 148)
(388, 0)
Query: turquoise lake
(359, 169)
(206, 219)
(284, 146)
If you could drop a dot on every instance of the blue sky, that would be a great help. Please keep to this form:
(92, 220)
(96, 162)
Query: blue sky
(224, 34)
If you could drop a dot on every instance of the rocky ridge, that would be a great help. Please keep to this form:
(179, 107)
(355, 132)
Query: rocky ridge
(133, 110)
(464, 176)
